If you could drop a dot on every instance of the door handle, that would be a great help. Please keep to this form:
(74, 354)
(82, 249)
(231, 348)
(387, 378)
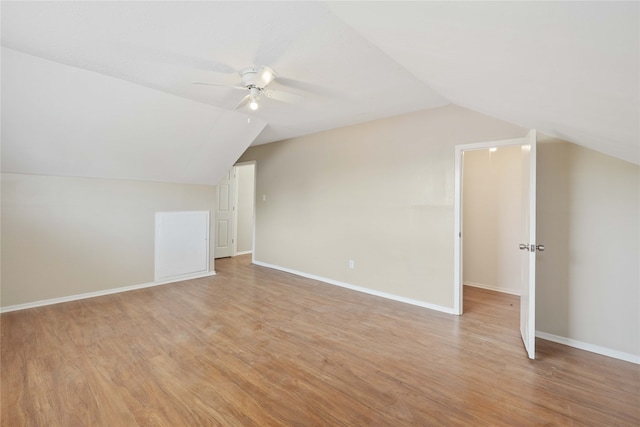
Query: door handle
(531, 248)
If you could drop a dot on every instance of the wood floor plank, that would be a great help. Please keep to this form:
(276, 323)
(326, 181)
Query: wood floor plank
(257, 347)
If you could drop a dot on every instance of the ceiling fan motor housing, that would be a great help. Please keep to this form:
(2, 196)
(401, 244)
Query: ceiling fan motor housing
(258, 77)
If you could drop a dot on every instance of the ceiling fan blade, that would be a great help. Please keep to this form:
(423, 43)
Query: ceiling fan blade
(305, 86)
(243, 102)
(216, 84)
(279, 95)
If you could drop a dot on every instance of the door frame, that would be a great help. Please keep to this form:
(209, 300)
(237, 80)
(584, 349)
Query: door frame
(457, 229)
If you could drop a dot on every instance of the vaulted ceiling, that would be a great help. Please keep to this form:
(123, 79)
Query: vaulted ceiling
(107, 86)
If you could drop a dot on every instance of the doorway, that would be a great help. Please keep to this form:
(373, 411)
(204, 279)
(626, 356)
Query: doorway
(491, 218)
(524, 236)
(235, 206)
(245, 202)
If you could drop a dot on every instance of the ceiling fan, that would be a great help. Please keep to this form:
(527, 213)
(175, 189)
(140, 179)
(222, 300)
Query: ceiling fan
(255, 80)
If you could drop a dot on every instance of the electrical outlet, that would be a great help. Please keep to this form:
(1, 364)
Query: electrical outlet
(352, 263)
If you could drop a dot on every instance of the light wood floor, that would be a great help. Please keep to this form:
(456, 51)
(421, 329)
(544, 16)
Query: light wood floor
(256, 347)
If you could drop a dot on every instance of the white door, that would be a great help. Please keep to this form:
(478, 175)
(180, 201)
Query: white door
(528, 246)
(224, 216)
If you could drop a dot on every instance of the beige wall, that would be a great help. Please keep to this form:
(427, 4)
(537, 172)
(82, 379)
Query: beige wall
(65, 236)
(379, 193)
(246, 197)
(588, 277)
(492, 218)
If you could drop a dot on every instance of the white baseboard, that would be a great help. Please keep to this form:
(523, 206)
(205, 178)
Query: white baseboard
(628, 357)
(561, 340)
(243, 253)
(96, 294)
(358, 288)
(493, 288)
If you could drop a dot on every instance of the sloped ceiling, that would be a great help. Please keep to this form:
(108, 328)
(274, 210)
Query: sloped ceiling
(59, 120)
(569, 69)
(104, 88)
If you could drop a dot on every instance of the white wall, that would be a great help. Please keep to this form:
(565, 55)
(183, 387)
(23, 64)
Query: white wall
(64, 236)
(492, 219)
(246, 197)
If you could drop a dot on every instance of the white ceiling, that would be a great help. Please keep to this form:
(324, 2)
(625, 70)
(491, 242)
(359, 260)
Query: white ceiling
(568, 69)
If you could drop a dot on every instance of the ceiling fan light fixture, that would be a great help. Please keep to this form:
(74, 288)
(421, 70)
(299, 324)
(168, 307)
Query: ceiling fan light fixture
(254, 94)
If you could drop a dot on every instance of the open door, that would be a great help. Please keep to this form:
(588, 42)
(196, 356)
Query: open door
(225, 215)
(528, 246)
(528, 237)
